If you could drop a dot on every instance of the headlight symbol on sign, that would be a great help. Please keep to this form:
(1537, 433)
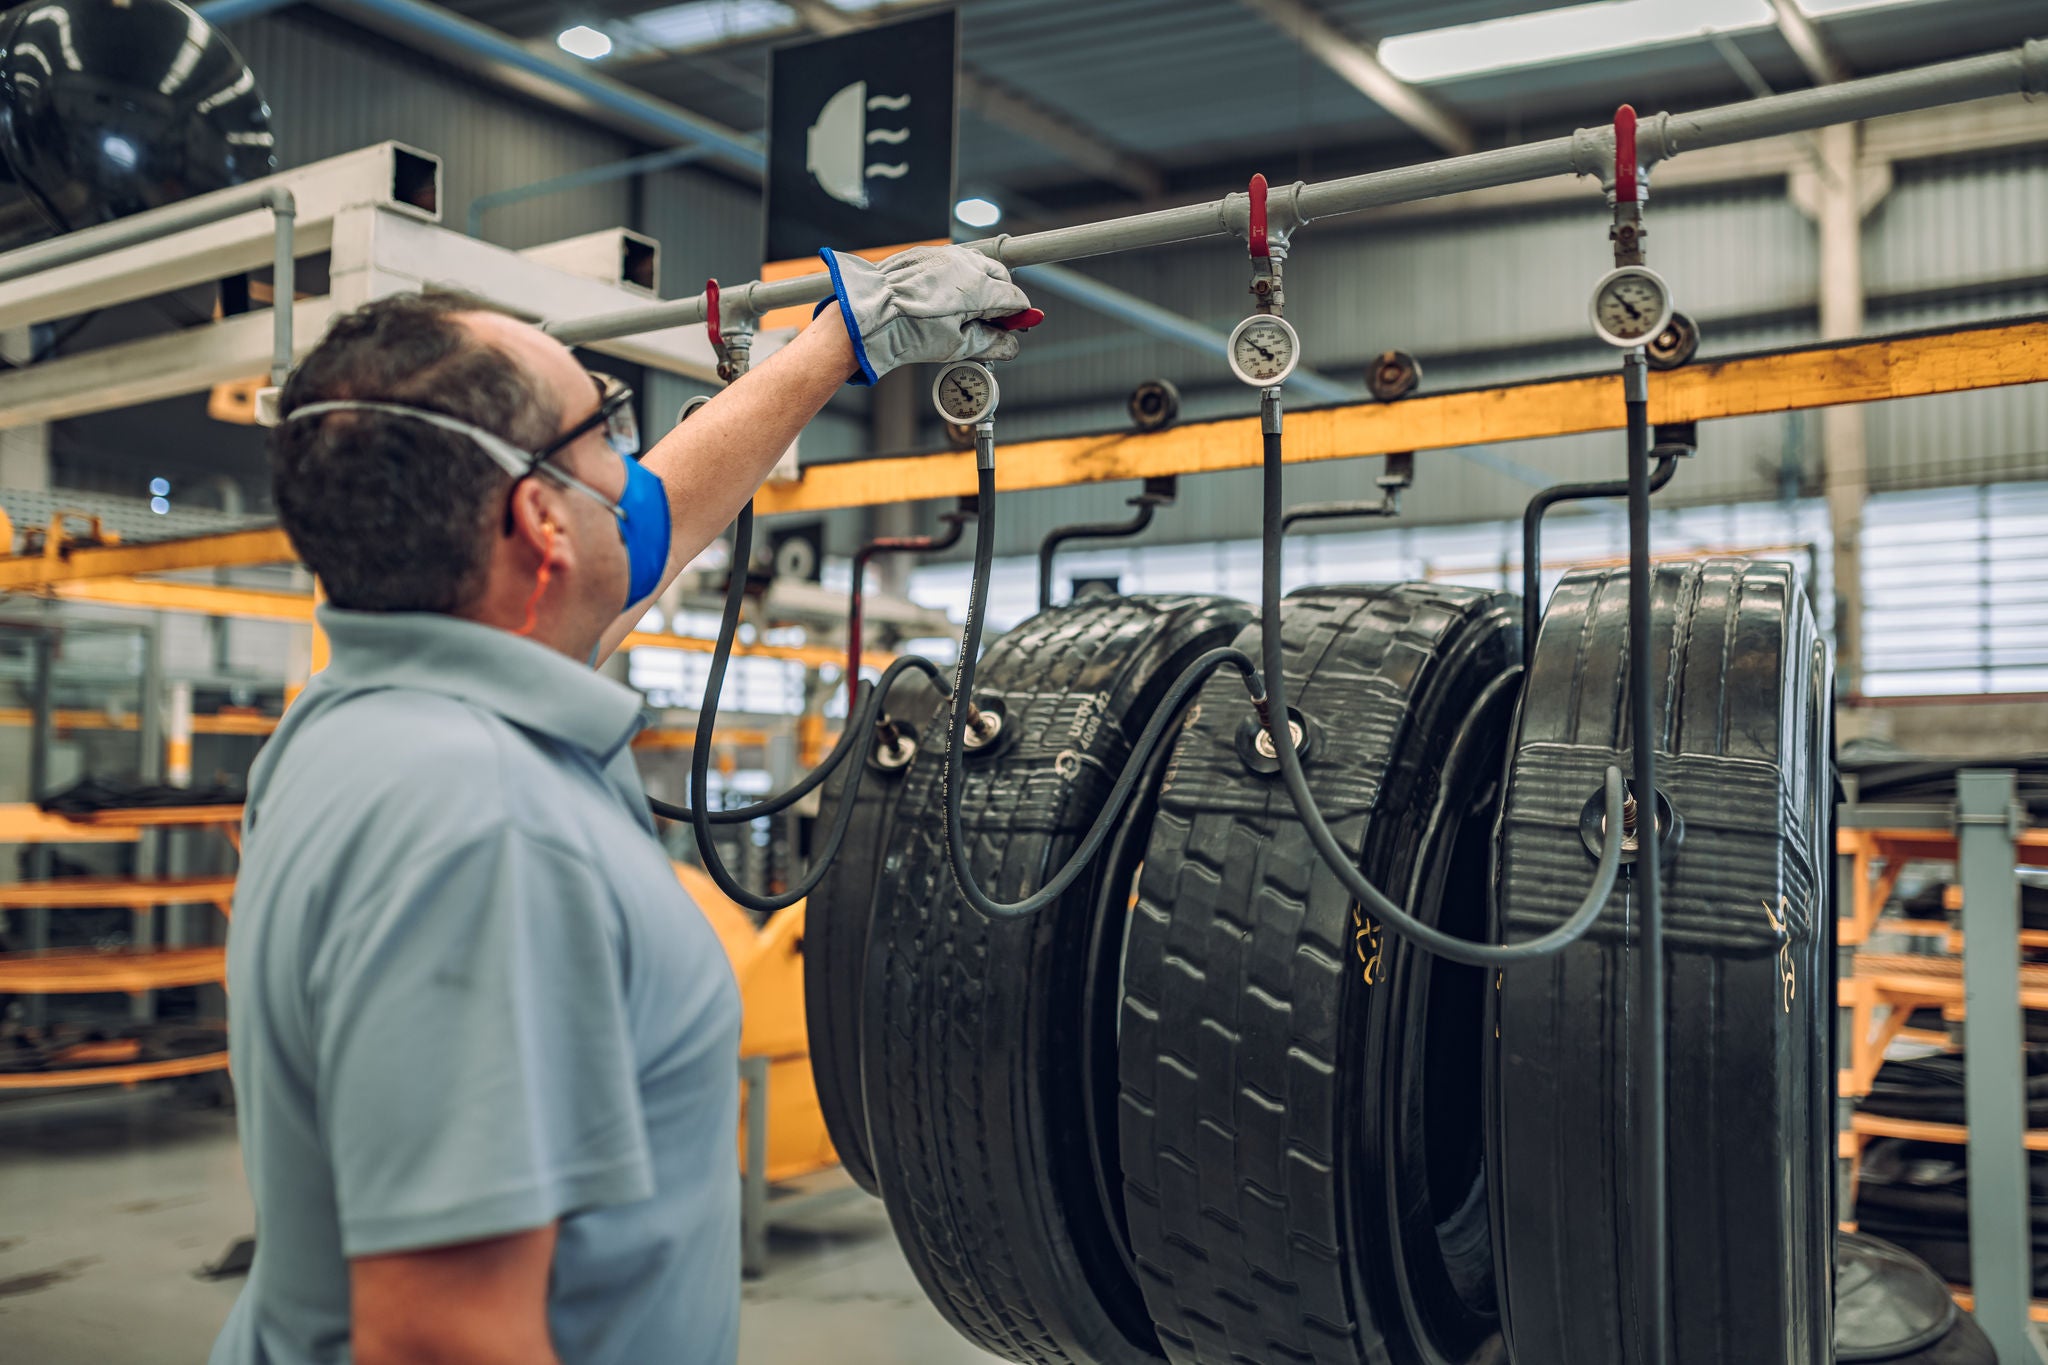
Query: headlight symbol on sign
(838, 148)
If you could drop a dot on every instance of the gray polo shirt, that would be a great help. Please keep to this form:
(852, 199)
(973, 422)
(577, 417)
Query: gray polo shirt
(468, 997)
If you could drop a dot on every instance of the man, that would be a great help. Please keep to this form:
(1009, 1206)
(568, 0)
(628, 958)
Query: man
(485, 1048)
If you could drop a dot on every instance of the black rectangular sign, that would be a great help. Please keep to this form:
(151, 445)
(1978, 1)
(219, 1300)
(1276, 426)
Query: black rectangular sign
(861, 133)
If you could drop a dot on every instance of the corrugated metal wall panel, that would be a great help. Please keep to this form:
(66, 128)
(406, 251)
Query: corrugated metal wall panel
(1991, 435)
(1435, 289)
(708, 227)
(334, 89)
(1953, 221)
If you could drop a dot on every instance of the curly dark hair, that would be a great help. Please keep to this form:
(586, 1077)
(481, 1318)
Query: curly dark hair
(393, 514)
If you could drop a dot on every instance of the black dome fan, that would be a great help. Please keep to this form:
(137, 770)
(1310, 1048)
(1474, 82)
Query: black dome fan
(111, 107)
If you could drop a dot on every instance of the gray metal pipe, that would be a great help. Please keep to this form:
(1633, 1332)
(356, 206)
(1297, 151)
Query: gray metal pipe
(284, 208)
(1589, 151)
(1147, 316)
(143, 227)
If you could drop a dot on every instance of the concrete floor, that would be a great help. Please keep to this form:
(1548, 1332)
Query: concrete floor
(110, 1201)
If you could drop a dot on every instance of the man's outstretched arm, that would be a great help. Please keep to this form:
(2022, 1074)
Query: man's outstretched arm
(927, 304)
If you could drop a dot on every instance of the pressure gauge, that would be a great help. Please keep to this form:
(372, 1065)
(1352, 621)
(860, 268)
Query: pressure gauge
(1630, 306)
(1264, 350)
(966, 392)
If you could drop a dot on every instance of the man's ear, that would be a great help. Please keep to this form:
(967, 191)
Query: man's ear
(534, 521)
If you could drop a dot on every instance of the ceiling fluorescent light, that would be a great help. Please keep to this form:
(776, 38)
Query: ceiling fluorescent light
(1560, 35)
(583, 41)
(978, 213)
(704, 23)
(1820, 9)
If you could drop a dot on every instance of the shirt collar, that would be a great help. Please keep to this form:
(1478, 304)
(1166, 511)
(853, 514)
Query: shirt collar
(527, 683)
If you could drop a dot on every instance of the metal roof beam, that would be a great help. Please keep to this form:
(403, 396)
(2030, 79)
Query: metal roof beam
(1000, 104)
(1803, 37)
(1360, 65)
(1026, 117)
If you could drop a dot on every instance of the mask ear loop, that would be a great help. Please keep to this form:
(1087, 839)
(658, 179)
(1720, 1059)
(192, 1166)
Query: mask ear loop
(540, 583)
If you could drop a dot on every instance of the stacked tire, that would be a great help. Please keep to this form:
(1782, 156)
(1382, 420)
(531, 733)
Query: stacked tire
(988, 1045)
(1743, 701)
(1300, 1109)
(1205, 1109)
(841, 909)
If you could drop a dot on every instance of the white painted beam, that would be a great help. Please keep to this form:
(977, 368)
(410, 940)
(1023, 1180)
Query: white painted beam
(376, 250)
(1803, 37)
(183, 361)
(372, 176)
(380, 253)
(1361, 67)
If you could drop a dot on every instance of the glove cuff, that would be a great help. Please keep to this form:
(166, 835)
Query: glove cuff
(867, 373)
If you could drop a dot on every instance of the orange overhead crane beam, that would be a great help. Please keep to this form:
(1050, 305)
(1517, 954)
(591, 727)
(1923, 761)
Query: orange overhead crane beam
(156, 595)
(1990, 355)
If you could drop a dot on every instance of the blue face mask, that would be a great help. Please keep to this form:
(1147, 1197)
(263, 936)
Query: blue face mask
(642, 511)
(644, 527)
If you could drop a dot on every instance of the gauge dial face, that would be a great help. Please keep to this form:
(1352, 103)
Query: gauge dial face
(1630, 306)
(1264, 350)
(965, 392)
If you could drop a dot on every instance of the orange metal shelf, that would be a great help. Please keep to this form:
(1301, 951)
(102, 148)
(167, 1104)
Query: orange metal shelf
(162, 816)
(1900, 983)
(72, 893)
(2037, 1311)
(24, 823)
(124, 1074)
(92, 973)
(1880, 1125)
(1882, 854)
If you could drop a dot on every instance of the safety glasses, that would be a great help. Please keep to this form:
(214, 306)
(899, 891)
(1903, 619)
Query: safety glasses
(614, 413)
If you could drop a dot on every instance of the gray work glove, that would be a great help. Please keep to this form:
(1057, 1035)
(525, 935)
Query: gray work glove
(925, 305)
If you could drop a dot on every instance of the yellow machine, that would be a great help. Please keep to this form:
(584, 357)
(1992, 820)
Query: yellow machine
(769, 964)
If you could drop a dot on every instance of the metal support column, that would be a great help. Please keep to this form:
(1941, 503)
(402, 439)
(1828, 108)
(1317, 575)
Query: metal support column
(42, 739)
(2001, 1259)
(754, 1180)
(163, 926)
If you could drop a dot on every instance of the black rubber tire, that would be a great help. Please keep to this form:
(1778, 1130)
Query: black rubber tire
(990, 1083)
(1891, 1306)
(836, 919)
(1745, 697)
(1301, 1110)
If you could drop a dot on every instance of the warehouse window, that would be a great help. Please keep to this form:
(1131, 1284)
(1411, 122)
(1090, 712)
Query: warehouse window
(675, 678)
(1955, 591)
(1480, 554)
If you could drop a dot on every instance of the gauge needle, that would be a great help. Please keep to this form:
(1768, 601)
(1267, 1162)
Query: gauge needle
(1632, 311)
(1260, 349)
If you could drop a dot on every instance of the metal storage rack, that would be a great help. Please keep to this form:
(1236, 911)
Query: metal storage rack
(1987, 836)
(135, 972)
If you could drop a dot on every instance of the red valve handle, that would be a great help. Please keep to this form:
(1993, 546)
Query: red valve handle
(1021, 322)
(1625, 190)
(711, 315)
(1257, 233)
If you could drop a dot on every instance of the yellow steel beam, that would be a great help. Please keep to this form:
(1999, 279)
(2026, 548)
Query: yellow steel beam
(263, 545)
(1991, 355)
(156, 595)
(230, 723)
(1811, 377)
